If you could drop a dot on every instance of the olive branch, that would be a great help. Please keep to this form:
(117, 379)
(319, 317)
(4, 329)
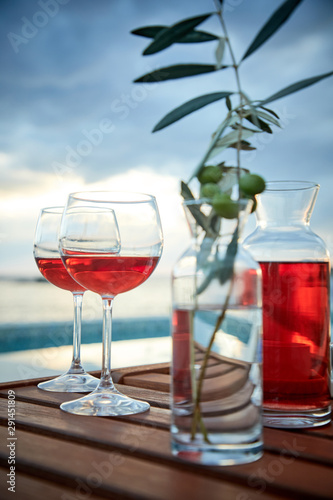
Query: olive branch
(231, 133)
(218, 180)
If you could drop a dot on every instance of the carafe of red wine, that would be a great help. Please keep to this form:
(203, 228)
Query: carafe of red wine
(296, 306)
(216, 330)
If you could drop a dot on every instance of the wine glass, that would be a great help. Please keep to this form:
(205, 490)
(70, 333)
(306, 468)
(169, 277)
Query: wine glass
(49, 263)
(91, 255)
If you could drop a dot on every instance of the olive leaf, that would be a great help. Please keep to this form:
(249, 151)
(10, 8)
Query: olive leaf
(244, 146)
(226, 268)
(194, 36)
(254, 130)
(270, 111)
(189, 107)
(177, 71)
(186, 192)
(261, 124)
(214, 222)
(212, 268)
(219, 52)
(295, 87)
(268, 118)
(249, 116)
(228, 140)
(221, 269)
(204, 253)
(198, 215)
(279, 17)
(169, 35)
(252, 109)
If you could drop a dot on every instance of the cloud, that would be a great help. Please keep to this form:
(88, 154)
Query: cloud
(25, 198)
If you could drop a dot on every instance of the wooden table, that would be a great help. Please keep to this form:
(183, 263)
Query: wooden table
(69, 457)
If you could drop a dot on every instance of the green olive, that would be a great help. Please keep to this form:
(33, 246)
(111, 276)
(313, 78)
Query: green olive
(209, 190)
(225, 206)
(251, 184)
(209, 174)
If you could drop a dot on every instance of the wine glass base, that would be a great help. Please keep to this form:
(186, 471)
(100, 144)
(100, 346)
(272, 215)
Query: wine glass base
(70, 382)
(105, 403)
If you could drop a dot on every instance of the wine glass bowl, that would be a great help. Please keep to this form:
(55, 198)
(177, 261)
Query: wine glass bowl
(110, 243)
(49, 263)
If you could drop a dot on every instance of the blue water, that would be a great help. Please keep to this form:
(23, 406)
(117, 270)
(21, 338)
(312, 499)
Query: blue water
(35, 314)
(41, 335)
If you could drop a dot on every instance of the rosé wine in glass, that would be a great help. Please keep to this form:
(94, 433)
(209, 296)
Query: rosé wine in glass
(50, 265)
(110, 243)
(55, 272)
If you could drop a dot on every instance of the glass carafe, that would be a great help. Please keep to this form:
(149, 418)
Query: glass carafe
(296, 306)
(216, 328)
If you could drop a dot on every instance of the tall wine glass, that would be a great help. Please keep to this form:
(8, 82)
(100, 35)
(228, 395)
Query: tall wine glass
(91, 256)
(48, 260)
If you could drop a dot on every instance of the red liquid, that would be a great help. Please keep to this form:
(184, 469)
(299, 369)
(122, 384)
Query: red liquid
(55, 272)
(110, 275)
(296, 326)
(181, 373)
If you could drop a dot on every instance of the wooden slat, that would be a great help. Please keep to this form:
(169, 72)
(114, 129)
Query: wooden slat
(153, 445)
(34, 381)
(117, 375)
(223, 385)
(200, 349)
(301, 479)
(4, 386)
(296, 464)
(35, 395)
(218, 369)
(299, 444)
(325, 431)
(221, 381)
(107, 472)
(33, 488)
(319, 449)
(157, 381)
(44, 455)
(142, 431)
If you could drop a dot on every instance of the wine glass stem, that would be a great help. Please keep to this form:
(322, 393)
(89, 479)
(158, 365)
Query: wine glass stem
(106, 380)
(76, 366)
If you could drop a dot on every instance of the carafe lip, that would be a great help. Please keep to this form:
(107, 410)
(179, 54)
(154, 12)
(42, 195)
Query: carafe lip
(290, 185)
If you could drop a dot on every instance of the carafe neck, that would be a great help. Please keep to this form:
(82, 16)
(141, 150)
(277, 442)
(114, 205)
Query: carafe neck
(286, 204)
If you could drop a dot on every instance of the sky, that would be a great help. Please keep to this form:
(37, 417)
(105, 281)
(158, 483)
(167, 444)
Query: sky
(71, 117)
